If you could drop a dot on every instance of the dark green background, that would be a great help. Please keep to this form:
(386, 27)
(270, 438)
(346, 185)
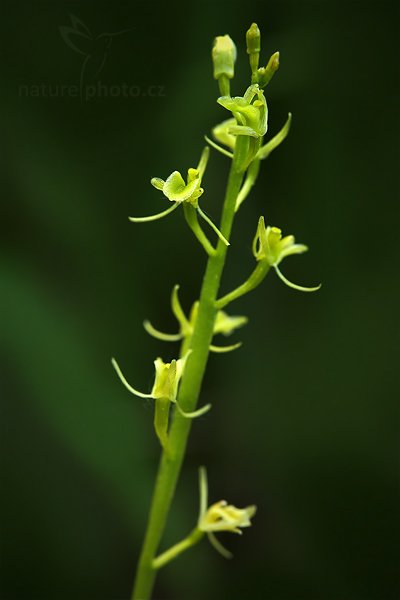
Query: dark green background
(304, 420)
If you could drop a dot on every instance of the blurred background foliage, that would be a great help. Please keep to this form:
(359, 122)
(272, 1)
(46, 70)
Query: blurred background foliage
(304, 420)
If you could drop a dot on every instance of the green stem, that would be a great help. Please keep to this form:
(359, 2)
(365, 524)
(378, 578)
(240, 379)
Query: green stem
(189, 541)
(170, 464)
(161, 413)
(252, 282)
(251, 177)
(191, 219)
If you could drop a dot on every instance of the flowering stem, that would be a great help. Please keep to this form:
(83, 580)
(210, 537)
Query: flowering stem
(164, 558)
(252, 282)
(171, 462)
(192, 220)
(161, 413)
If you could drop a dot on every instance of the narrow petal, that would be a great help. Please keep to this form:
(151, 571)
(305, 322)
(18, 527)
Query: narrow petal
(218, 546)
(192, 219)
(201, 167)
(155, 217)
(276, 140)
(157, 183)
(159, 335)
(222, 349)
(177, 311)
(194, 414)
(300, 288)
(292, 249)
(220, 133)
(125, 383)
(231, 103)
(214, 227)
(217, 147)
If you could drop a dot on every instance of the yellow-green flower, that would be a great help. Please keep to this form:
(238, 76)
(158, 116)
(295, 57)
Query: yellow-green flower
(250, 112)
(270, 246)
(178, 191)
(224, 324)
(220, 516)
(166, 382)
(222, 133)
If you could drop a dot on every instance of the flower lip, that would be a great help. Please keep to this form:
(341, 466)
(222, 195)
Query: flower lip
(251, 115)
(222, 516)
(176, 190)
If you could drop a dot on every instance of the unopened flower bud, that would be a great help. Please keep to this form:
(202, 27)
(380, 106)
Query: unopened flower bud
(265, 74)
(253, 44)
(224, 56)
(253, 39)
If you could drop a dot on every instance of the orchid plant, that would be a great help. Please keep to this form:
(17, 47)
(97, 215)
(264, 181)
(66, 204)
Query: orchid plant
(177, 384)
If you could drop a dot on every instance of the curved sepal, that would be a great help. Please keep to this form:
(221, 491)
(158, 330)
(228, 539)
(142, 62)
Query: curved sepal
(194, 414)
(294, 286)
(223, 349)
(213, 227)
(159, 335)
(155, 217)
(274, 142)
(131, 389)
(218, 148)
